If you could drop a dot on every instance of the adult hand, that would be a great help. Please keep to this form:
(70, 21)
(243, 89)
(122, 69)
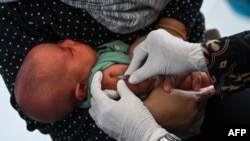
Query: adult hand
(180, 109)
(166, 54)
(125, 119)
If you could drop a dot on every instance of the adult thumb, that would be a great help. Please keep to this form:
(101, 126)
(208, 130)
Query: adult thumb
(142, 74)
(206, 93)
(123, 89)
(139, 55)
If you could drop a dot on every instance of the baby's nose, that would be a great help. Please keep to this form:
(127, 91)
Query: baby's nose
(67, 43)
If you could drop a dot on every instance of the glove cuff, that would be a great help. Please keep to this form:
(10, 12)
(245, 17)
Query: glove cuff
(155, 134)
(196, 58)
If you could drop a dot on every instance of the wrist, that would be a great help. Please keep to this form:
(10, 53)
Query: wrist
(156, 134)
(196, 57)
(173, 26)
(172, 30)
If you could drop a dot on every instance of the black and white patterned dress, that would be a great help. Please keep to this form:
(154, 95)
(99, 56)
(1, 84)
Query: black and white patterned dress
(228, 63)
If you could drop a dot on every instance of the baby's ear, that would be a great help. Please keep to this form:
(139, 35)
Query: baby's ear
(81, 90)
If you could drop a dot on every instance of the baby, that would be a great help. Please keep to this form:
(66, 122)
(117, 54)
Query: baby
(54, 78)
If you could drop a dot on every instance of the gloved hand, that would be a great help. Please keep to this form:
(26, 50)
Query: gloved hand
(126, 119)
(166, 54)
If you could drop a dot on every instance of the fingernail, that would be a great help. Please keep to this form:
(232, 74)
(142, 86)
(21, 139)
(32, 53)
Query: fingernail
(167, 88)
(197, 87)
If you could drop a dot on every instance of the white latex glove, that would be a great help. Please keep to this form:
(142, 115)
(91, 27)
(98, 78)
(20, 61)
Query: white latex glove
(111, 93)
(166, 54)
(126, 119)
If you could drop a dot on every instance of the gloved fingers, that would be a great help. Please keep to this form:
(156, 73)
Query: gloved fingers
(143, 73)
(96, 90)
(123, 89)
(92, 113)
(97, 109)
(92, 101)
(93, 109)
(139, 55)
(127, 96)
(111, 93)
(95, 116)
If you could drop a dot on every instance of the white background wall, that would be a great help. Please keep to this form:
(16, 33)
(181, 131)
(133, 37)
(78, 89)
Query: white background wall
(218, 15)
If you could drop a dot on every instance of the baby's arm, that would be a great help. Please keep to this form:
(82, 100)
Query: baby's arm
(110, 79)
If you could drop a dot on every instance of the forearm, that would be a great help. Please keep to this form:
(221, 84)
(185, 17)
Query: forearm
(177, 21)
(228, 62)
(186, 12)
(5, 1)
(173, 26)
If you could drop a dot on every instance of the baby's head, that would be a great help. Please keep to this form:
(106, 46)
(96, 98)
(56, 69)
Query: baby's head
(52, 81)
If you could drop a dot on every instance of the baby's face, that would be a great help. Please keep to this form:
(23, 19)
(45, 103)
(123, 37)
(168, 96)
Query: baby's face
(71, 56)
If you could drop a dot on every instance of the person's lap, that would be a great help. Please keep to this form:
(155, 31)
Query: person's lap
(19, 32)
(22, 33)
(223, 114)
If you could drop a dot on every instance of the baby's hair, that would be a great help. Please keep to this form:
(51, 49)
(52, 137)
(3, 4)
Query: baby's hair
(37, 90)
